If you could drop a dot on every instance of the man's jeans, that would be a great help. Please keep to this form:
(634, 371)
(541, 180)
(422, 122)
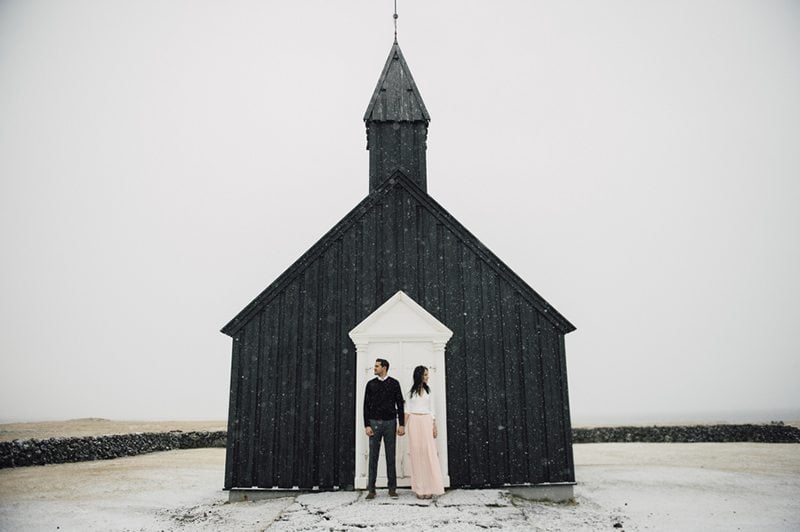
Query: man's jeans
(387, 430)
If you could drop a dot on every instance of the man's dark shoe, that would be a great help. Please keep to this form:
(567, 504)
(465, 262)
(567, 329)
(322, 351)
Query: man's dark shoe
(393, 494)
(370, 495)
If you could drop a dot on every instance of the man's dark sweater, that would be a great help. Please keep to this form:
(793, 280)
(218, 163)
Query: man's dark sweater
(383, 399)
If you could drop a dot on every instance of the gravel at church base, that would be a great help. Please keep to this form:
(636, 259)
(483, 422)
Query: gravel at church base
(456, 511)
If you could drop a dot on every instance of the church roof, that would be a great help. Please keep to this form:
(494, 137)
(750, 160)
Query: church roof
(396, 97)
(378, 196)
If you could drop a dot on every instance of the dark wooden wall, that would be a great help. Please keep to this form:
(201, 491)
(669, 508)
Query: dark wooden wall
(292, 402)
(397, 146)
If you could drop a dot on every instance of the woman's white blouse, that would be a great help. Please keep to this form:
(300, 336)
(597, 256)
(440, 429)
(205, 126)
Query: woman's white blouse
(420, 404)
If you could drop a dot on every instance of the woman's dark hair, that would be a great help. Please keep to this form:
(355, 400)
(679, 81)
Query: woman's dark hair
(418, 386)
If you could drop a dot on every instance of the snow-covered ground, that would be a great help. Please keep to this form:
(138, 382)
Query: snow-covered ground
(630, 486)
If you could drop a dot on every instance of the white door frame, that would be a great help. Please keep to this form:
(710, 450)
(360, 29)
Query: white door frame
(405, 325)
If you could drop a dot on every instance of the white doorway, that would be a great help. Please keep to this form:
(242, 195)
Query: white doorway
(406, 335)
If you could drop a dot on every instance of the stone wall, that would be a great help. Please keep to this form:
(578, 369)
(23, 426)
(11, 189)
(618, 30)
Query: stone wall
(772, 433)
(19, 453)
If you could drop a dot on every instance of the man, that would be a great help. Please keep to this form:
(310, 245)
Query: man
(383, 407)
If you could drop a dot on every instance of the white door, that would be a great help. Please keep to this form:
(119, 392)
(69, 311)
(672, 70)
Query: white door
(406, 335)
(403, 357)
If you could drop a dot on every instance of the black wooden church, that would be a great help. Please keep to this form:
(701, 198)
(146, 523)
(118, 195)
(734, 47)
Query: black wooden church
(293, 386)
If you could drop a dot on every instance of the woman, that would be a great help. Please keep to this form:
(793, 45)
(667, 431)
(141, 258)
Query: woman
(426, 474)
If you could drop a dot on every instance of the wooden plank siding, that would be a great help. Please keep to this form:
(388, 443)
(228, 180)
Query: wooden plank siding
(457, 368)
(326, 404)
(494, 380)
(475, 349)
(234, 416)
(287, 405)
(568, 473)
(248, 396)
(556, 443)
(292, 401)
(532, 409)
(306, 447)
(350, 308)
(268, 432)
(515, 424)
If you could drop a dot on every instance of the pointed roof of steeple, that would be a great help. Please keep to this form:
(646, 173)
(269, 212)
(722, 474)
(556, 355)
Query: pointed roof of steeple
(396, 97)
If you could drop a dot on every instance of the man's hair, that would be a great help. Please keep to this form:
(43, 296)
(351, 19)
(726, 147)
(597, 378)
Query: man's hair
(383, 362)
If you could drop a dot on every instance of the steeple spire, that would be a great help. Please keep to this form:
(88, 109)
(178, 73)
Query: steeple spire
(395, 21)
(397, 124)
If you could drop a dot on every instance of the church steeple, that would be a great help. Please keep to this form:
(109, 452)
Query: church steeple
(397, 124)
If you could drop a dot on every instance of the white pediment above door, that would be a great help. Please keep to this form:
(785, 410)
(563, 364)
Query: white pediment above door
(400, 317)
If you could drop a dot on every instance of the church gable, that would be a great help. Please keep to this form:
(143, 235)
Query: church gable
(293, 356)
(398, 238)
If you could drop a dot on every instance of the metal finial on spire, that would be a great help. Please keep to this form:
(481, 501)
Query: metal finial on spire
(395, 21)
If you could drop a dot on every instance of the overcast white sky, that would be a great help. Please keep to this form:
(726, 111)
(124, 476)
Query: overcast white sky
(637, 163)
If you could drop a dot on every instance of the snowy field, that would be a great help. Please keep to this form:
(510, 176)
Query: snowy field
(622, 486)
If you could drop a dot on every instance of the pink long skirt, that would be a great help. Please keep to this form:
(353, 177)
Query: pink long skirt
(426, 474)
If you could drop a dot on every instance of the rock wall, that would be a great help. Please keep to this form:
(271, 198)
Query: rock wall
(19, 453)
(773, 433)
